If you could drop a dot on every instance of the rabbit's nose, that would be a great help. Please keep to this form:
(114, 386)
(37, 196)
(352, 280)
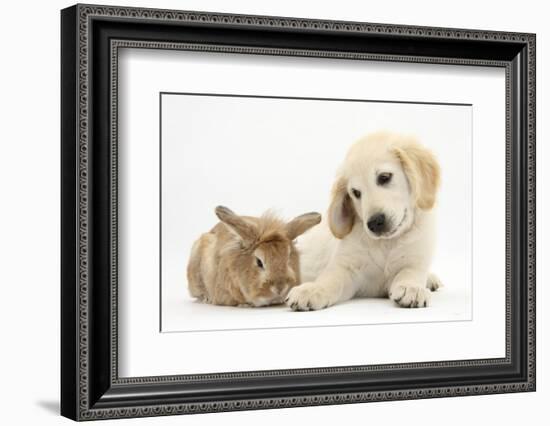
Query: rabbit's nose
(279, 290)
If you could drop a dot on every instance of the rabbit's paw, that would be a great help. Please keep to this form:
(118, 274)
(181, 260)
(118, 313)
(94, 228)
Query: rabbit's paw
(308, 297)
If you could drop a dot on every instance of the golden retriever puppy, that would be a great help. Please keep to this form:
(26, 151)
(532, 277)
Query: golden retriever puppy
(378, 237)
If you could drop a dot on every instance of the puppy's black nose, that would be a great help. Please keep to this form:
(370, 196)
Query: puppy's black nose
(376, 223)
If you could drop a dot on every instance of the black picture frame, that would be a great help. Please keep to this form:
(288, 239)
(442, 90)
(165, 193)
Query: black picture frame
(90, 386)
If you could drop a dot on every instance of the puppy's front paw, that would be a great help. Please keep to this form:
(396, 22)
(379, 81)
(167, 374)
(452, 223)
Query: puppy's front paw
(308, 297)
(410, 296)
(433, 282)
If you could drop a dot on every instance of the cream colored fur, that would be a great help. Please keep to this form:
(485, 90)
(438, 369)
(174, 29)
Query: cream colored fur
(341, 258)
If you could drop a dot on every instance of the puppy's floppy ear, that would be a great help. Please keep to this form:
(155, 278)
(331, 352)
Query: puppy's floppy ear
(341, 213)
(246, 230)
(423, 173)
(301, 224)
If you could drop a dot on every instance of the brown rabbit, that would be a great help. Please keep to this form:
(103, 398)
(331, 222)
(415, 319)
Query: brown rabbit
(247, 260)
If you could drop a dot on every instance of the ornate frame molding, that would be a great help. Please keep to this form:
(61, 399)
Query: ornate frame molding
(87, 407)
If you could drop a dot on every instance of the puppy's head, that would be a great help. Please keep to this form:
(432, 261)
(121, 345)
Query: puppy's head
(385, 178)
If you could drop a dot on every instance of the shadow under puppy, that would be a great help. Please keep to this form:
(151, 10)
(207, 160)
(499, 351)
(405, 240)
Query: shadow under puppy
(247, 261)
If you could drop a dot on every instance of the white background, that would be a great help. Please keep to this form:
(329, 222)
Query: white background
(141, 346)
(283, 154)
(29, 230)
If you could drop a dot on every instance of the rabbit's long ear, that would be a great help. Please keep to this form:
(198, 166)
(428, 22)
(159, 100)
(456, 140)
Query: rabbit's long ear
(246, 230)
(341, 213)
(301, 224)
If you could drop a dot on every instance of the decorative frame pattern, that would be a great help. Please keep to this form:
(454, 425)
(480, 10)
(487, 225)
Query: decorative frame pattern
(91, 400)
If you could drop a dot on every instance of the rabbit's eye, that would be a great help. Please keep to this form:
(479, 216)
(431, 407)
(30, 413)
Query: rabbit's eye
(259, 263)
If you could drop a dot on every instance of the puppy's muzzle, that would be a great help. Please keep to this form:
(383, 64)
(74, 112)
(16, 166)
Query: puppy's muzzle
(377, 223)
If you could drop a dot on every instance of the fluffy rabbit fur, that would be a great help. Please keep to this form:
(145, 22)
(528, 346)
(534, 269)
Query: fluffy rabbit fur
(247, 260)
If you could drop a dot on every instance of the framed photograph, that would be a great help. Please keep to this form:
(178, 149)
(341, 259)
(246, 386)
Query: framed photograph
(263, 212)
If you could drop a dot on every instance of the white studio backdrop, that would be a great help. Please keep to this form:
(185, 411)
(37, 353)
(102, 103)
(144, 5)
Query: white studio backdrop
(30, 177)
(141, 344)
(252, 154)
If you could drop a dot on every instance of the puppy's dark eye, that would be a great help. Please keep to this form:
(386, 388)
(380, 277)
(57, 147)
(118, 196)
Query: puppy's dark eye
(384, 178)
(259, 263)
(356, 193)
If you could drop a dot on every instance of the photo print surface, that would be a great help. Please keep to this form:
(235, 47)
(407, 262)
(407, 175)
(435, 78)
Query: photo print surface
(270, 164)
